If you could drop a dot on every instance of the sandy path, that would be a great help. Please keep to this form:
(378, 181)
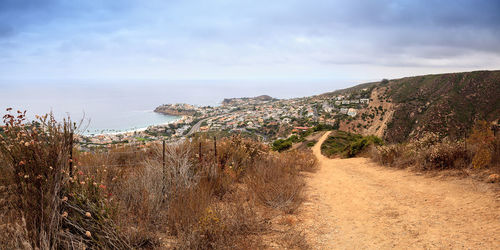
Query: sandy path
(355, 204)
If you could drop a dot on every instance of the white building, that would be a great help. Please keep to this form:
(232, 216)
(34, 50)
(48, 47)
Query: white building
(352, 112)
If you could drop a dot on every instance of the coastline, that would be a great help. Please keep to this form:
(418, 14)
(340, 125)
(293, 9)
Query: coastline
(136, 130)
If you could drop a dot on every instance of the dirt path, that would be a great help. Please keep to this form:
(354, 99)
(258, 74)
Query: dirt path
(355, 204)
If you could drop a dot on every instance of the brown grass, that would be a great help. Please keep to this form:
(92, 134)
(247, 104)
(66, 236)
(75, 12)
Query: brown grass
(124, 197)
(275, 180)
(430, 152)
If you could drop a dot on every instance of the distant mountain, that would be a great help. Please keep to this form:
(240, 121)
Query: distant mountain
(249, 100)
(406, 108)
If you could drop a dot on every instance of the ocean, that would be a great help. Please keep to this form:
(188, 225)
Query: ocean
(110, 106)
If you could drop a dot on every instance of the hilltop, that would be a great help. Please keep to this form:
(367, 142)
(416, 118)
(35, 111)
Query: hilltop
(248, 100)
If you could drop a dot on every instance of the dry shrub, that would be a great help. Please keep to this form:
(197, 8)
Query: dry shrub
(430, 152)
(200, 222)
(300, 160)
(235, 152)
(123, 196)
(443, 155)
(35, 160)
(295, 240)
(49, 204)
(276, 184)
(483, 141)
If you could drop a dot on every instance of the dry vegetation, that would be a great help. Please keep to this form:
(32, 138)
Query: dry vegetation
(127, 197)
(481, 150)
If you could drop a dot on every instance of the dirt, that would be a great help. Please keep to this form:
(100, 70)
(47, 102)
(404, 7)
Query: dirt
(356, 204)
(378, 127)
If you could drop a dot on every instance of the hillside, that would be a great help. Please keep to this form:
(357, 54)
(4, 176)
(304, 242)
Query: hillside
(447, 104)
(248, 100)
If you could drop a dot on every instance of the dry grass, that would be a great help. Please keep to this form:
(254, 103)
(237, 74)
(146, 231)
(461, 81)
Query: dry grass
(125, 197)
(430, 152)
(275, 180)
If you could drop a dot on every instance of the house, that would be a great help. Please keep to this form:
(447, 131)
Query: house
(345, 102)
(344, 110)
(352, 112)
(326, 107)
(364, 100)
(338, 102)
(330, 122)
(355, 101)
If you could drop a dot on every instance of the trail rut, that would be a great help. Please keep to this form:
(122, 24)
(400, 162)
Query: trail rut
(356, 204)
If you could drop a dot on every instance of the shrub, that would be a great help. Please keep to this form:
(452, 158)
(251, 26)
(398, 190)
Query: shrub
(443, 155)
(59, 210)
(35, 158)
(361, 144)
(482, 140)
(275, 179)
(281, 145)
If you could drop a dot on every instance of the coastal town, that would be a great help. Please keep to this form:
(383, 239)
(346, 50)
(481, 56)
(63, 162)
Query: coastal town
(263, 116)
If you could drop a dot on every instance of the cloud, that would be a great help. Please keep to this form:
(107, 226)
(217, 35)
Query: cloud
(172, 39)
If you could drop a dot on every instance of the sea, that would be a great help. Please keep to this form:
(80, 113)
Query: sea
(118, 106)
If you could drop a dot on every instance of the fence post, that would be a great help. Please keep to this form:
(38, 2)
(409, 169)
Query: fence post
(71, 154)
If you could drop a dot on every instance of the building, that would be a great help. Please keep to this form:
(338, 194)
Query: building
(345, 102)
(352, 112)
(344, 110)
(364, 100)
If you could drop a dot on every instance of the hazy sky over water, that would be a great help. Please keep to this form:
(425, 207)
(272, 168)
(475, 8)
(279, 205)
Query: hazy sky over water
(244, 40)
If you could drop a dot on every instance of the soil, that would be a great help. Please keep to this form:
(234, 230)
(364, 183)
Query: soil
(357, 204)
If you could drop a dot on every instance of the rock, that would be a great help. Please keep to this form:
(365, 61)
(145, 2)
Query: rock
(493, 178)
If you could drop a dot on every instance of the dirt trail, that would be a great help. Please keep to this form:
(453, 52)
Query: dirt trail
(355, 204)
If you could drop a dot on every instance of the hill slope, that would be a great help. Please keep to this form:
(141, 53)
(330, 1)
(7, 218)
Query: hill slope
(406, 108)
(445, 103)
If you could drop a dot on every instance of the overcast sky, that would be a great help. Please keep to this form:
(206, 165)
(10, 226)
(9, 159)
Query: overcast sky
(247, 40)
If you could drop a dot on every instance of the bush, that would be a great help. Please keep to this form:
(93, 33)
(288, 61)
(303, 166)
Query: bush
(443, 155)
(59, 210)
(123, 196)
(361, 144)
(347, 144)
(281, 145)
(276, 185)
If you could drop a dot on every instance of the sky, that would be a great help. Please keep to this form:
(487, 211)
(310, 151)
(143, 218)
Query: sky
(248, 40)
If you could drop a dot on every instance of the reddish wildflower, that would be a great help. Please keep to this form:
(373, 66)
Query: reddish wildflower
(102, 186)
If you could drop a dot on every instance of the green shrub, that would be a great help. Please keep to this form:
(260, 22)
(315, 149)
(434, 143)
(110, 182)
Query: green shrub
(361, 144)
